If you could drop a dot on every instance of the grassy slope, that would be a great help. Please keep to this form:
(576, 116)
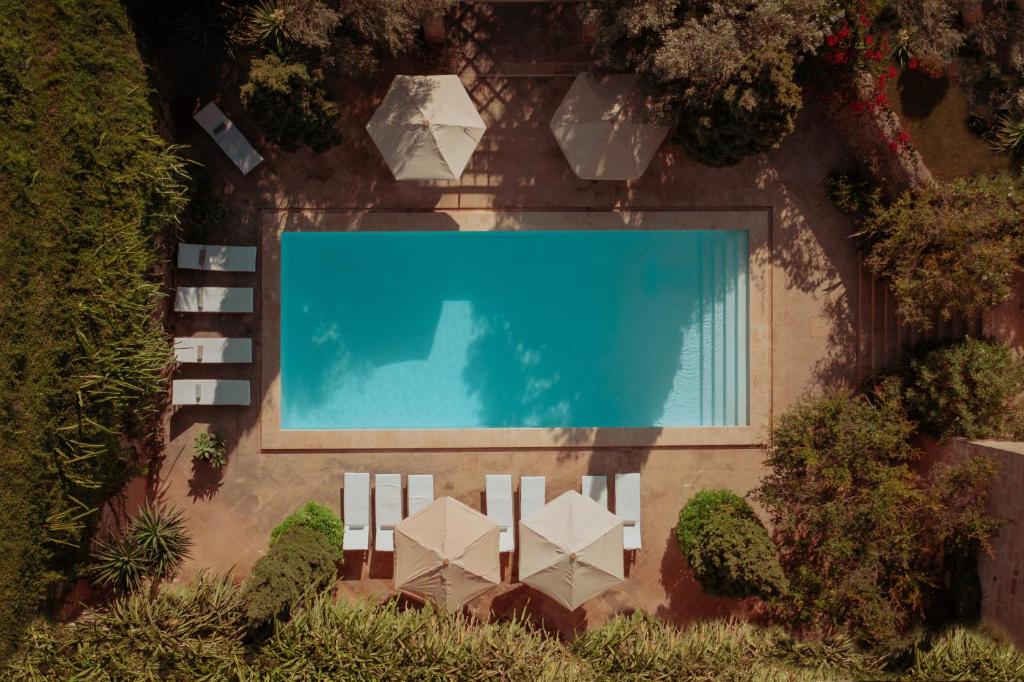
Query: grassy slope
(82, 192)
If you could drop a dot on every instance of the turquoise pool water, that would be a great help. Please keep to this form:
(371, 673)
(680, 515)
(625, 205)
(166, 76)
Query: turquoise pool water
(403, 330)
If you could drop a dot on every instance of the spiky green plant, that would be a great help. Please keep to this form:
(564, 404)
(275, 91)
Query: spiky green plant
(1009, 134)
(209, 447)
(962, 654)
(121, 563)
(267, 25)
(162, 535)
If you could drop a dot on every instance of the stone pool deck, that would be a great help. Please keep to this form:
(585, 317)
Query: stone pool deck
(829, 324)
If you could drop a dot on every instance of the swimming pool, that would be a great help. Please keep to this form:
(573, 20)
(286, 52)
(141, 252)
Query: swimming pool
(533, 329)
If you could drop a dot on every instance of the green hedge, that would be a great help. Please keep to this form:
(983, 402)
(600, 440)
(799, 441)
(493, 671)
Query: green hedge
(85, 186)
(197, 631)
(319, 518)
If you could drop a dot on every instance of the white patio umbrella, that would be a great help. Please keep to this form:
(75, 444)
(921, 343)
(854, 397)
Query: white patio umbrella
(447, 553)
(571, 549)
(426, 128)
(605, 128)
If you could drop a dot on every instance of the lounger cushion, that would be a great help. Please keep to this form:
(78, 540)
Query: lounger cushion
(217, 258)
(387, 510)
(499, 509)
(213, 300)
(596, 488)
(356, 511)
(228, 137)
(214, 350)
(210, 392)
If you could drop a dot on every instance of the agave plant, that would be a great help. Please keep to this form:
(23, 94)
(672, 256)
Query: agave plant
(210, 448)
(1009, 134)
(267, 24)
(162, 536)
(121, 563)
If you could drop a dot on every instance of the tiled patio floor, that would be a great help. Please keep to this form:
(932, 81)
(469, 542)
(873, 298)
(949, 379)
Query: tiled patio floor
(829, 325)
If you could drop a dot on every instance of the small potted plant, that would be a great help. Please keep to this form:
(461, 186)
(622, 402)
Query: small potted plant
(209, 448)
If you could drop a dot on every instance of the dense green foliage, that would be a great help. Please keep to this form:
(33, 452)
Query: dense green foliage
(197, 631)
(970, 389)
(300, 562)
(722, 72)
(209, 448)
(315, 516)
(866, 543)
(949, 249)
(155, 545)
(727, 547)
(85, 187)
(290, 105)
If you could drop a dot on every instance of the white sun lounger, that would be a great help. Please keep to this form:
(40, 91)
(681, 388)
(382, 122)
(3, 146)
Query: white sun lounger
(210, 392)
(596, 488)
(531, 495)
(217, 258)
(212, 351)
(421, 492)
(356, 512)
(228, 137)
(213, 300)
(387, 510)
(499, 509)
(627, 508)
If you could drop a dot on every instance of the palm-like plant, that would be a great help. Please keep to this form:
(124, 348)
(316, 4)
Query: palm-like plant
(120, 563)
(162, 535)
(1009, 134)
(267, 24)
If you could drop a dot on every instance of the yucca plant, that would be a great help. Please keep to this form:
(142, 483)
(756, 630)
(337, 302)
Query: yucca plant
(162, 535)
(1009, 134)
(121, 563)
(209, 448)
(962, 654)
(267, 25)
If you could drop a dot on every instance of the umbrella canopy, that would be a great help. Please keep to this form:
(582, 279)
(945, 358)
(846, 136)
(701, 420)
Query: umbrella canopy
(571, 549)
(605, 129)
(426, 128)
(446, 552)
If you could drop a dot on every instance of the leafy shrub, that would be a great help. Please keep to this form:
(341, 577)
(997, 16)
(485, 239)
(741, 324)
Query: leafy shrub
(970, 389)
(723, 126)
(949, 249)
(314, 516)
(854, 193)
(723, 72)
(727, 548)
(290, 105)
(154, 546)
(209, 448)
(299, 563)
(866, 543)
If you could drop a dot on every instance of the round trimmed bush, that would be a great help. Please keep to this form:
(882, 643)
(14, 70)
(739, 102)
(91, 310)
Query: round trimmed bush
(316, 517)
(702, 507)
(728, 548)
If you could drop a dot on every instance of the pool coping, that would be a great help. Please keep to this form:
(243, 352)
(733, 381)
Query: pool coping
(756, 221)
